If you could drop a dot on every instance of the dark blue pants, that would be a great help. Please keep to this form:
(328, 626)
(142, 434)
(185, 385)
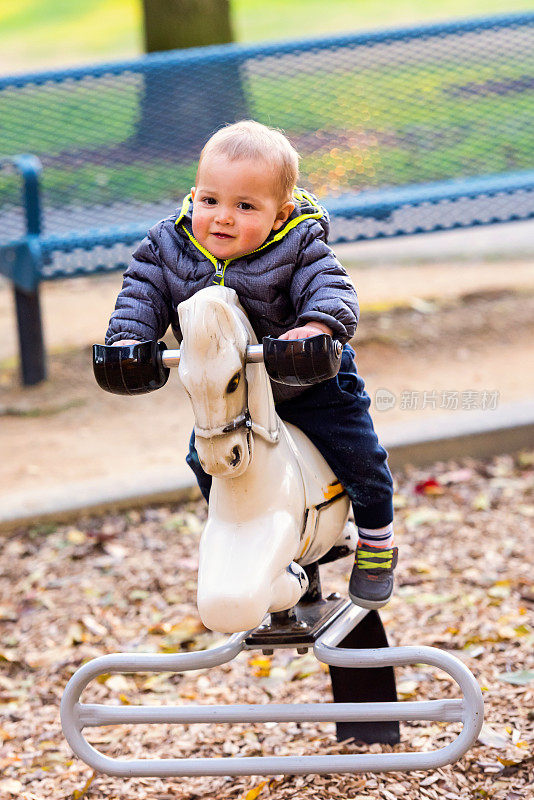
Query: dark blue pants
(335, 417)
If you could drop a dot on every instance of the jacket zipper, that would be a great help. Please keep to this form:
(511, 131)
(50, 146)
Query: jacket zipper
(218, 278)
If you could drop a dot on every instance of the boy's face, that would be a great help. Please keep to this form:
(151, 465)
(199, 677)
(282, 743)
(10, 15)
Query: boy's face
(235, 206)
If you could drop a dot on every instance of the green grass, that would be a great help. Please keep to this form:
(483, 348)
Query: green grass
(66, 117)
(40, 34)
(94, 185)
(278, 19)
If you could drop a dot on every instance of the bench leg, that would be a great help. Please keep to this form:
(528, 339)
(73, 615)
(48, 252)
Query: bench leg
(30, 331)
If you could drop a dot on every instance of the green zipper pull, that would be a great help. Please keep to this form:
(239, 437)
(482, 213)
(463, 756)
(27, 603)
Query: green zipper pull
(218, 278)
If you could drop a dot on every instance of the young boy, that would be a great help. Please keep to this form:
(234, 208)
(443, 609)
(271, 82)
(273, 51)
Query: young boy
(246, 226)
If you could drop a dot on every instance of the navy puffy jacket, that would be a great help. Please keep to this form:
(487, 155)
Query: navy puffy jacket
(293, 278)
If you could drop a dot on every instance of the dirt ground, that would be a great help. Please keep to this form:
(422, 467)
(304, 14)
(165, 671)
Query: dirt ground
(427, 330)
(127, 582)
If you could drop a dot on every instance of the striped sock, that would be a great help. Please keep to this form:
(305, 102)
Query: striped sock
(376, 537)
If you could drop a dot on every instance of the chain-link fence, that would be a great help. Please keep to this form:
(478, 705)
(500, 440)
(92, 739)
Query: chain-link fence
(119, 143)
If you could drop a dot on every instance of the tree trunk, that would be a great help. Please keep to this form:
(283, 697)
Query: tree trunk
(181, 108)
(172, 24)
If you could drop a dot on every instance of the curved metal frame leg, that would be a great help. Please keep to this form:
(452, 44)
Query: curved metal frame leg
(76, 716)
(468, 710)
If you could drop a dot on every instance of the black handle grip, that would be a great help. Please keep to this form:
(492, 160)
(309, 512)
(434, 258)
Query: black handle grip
(302, 362)
(130, 368)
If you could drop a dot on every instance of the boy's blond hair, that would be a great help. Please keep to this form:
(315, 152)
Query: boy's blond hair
(248, 139)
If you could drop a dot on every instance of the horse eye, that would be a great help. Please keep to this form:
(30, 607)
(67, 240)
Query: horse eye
(233, 384)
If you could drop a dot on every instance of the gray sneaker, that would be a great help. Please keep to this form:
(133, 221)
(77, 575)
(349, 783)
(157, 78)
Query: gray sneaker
(371, 581)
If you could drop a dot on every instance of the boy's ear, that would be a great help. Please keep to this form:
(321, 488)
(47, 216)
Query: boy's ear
(285, 210)
(193, 191)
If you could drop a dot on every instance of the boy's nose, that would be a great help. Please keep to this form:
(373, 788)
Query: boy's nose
(223, 216)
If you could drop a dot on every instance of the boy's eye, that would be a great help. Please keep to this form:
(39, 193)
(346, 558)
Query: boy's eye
(210, 201)
(245, 206)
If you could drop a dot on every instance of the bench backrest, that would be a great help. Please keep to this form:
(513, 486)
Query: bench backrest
(119, 142)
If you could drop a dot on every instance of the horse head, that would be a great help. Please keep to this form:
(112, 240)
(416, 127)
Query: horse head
(213, 373)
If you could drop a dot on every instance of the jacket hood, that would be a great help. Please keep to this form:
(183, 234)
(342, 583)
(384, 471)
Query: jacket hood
(306, 207)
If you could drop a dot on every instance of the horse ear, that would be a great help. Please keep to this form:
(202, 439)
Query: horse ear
(207, 321)
(223, 315)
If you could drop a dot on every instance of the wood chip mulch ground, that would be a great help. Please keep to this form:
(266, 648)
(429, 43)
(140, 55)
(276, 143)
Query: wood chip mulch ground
(127, 582)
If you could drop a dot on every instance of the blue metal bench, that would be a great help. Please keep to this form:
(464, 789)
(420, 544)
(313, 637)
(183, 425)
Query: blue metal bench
(401, 131)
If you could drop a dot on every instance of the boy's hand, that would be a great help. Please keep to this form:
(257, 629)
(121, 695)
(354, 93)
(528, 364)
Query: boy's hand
(311, 329)
(124, 342)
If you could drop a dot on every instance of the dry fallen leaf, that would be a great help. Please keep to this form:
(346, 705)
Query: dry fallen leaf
(422, 516)
(93, 626)
(301, 667)
(430, 486)
(520, 678)
(120, 683)
(79, 793)
(11, 786)
(481, 502)
(252, 794)
(500, 590)
(9, 656)
(473, 650)
(526, 458)
(456, 476)
(262, 666)
(407, 689)
(75, 536)
(491, 738)
(5, 736)
(188, 634)
(430, 779)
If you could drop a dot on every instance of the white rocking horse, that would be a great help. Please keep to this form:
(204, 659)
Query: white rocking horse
(275, 509)
(275, 504)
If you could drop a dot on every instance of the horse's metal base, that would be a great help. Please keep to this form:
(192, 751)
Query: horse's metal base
(299, 627)
(342, 630)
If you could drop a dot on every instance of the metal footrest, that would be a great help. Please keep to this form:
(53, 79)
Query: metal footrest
(468, 710)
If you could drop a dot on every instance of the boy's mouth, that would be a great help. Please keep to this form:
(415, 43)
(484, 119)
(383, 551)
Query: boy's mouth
(222, 235)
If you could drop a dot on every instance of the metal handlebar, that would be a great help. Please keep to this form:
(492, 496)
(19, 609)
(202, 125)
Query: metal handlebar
(143, 367)
(171, 358)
